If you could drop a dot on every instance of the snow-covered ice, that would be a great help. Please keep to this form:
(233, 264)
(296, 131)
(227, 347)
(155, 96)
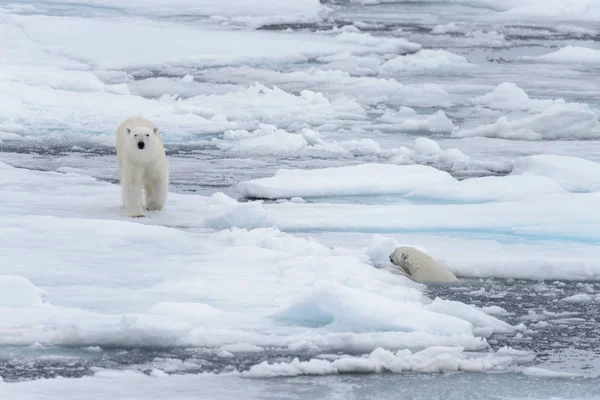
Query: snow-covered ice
(409, 181)
(159, 264)
(307, 140)
(542, 119)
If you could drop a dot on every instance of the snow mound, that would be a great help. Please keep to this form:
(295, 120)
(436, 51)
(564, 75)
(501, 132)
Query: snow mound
(570, 55)
(16, 291)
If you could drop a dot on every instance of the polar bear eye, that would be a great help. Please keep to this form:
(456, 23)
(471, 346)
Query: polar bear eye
(147, 135)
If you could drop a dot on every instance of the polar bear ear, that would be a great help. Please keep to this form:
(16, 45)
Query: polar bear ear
(156, 131)
(128, 131)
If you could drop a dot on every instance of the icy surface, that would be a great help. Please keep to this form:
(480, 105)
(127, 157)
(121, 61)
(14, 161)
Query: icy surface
(356, 123)
(115, 384)
(125, 304)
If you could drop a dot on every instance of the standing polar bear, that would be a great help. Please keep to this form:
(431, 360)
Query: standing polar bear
(142, 167)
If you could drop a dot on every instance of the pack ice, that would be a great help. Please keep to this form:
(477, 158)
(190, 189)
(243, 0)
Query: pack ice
(208, 272)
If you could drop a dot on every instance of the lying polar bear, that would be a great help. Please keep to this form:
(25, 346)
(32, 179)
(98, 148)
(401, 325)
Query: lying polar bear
(419, 266)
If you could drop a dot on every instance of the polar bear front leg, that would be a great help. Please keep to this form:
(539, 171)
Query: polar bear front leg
(132, 189)
(157, 189)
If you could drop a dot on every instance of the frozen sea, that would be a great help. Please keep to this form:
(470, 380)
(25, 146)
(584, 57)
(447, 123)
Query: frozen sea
(306, 140)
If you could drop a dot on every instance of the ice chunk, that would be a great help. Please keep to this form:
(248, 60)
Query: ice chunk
(570, 55)
(452, 27)
(429, 152)
(157, 373)
(546, 373)
(379, 44)
(425, 60)
(494, 310)
(553, 10)
(478, 318)
(509, 96)
(410, 181)
(435, 359)
(427, 147)
(93, 349)
(266, 140)
(333, 79)
(581, 298)
(534, 119)
(354, 180)
(403, 121)
(294, 368)
(568, 121)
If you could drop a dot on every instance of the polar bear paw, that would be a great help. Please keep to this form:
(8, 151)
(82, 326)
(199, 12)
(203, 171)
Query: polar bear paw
(154, 207)
(136, 215)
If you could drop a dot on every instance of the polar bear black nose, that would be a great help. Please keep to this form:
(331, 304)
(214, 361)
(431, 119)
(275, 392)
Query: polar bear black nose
(141, 145)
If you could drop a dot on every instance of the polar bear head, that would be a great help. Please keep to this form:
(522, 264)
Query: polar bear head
(142, 137)
(420, 266)
(143, 142)
(400, 258)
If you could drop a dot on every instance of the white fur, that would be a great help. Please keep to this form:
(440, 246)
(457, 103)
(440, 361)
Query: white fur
(142, 171)
(419, 266)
